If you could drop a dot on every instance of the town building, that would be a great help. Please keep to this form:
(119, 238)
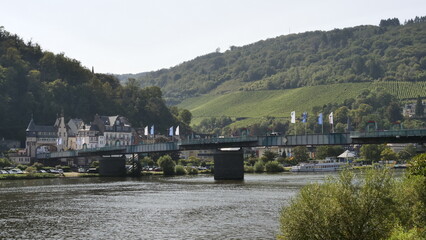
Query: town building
(409, 109)
(75, 135)
(19, 157)
(40, 139)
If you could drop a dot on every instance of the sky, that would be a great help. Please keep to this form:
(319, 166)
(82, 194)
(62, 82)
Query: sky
(132, 36)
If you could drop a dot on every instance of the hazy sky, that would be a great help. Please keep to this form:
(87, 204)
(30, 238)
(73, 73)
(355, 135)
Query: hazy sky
(131, 36)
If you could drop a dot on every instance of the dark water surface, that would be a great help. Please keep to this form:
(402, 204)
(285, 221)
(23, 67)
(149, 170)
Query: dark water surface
(147, 208)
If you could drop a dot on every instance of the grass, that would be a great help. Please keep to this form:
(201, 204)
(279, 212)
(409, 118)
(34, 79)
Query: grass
(255, 105)
(27, 176)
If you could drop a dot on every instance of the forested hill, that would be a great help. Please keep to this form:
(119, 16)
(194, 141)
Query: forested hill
(389, 52)
(43, 84)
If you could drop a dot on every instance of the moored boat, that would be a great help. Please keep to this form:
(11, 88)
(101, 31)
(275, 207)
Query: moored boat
(327, 165)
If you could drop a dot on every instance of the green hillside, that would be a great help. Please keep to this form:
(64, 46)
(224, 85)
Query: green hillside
(389, 52)
(252, 106)
(39, 84)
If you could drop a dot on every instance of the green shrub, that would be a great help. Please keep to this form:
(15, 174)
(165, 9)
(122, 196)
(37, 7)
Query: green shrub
(167, 164)
(259, 167)
(192, 170)
(38, 165)
(273, 166)
(31, 169)
(22, 167)
(372, 206)
(248, 169)
(5, 163)
(418, 165)
(180, 170)
(399, 233)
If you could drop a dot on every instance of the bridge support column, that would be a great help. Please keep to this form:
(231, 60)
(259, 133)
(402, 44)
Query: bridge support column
(112, 166)
(229, 165)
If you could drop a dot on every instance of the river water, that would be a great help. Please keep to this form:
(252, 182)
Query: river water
(189, 207)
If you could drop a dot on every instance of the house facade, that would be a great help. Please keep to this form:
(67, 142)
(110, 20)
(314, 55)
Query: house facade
(75, 134)
(40, 139)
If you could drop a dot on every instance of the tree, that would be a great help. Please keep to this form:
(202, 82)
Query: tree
(407, 153)
(328, 151)
(300, 153)
(5, 163)
(185, 116)
(268, 155)
(147, 161)
(259, 166)
(418, 165)
(388, 154)
(38, 165)
(393, 112)
(371, 152)
(367, 206)
(419, 107)
(273, 166)
(341, 115)
(167, 164)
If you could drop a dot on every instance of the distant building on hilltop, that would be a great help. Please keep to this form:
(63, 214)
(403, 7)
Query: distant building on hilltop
(409, 109)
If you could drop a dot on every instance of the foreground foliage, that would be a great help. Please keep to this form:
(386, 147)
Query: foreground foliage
(367, 206)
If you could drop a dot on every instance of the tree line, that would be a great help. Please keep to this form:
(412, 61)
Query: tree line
(42, 84)
(388, 52)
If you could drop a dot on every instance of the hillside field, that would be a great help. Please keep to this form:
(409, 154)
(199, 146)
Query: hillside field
(254, 105)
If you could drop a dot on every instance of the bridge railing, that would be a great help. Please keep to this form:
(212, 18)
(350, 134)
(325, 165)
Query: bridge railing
(218, 140)
(168, 146)
(64, 154)
(102, 149)
(390, 133)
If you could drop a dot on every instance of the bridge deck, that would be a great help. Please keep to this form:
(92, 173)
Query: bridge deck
(417, 135)
(390, 136)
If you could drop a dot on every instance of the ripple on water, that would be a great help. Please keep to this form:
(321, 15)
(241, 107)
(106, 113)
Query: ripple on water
(147, 208)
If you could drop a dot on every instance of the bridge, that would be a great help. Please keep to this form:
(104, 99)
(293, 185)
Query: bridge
(398, 136)
(210, 143)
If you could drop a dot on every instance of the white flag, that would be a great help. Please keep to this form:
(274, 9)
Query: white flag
(293, 117)
(177, 131)
(330, 118)
(145, 132)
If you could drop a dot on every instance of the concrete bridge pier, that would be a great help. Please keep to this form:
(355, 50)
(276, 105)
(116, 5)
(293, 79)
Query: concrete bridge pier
(229, 165)
(112, 166)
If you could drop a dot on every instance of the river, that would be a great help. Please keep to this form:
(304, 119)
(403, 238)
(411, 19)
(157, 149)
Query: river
(188, 207)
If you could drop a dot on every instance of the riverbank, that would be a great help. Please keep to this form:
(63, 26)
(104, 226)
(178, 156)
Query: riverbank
(45, 175)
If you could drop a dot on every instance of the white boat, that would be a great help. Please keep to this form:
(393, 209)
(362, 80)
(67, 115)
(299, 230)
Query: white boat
(327, 165)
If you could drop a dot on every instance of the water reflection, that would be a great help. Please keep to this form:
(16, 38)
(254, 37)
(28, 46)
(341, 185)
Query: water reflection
(189, 207)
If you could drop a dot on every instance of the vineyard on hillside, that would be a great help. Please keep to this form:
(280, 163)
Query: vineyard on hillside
(404, 90)
(254, 105)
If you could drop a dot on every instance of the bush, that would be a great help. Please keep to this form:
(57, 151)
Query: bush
(5, 163)
(418, 165)
(259, 167)
(273, 166)
(192, 170)
(180, 170)
(22, 167)
(38, 165)
(248, 169)
(167, 164)
(31, 169)
(348, 207)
